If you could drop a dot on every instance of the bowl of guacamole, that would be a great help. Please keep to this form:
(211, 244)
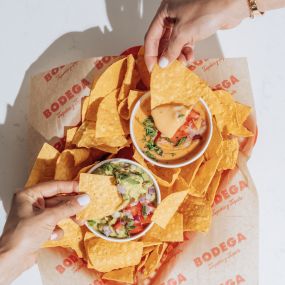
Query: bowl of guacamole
(140, 196)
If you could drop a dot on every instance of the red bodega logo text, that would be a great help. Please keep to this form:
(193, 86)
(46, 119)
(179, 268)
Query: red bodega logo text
(68, 95)
(217, 250)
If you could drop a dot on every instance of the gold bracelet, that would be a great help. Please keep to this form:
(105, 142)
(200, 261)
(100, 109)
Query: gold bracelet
(254, 11)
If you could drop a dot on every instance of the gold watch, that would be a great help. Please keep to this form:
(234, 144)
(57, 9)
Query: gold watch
(254, 11)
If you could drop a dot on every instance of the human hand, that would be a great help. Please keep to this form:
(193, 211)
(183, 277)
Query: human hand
(32, 220)
(179, 24)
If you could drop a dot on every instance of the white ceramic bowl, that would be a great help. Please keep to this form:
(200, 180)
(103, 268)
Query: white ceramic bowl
(158, 198)
(174, 165)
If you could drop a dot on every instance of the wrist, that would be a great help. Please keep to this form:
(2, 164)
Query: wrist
(12, 264)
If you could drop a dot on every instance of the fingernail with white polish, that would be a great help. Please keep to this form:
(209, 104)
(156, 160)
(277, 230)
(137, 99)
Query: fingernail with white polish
(83, 200)
(53, 236)
(163, 62)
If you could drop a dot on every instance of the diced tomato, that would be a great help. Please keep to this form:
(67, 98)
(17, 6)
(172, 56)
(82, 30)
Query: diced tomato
(135, 210)
(157, 137)
(118, 226)
(138, 228)
(146, 220)
(194, 115)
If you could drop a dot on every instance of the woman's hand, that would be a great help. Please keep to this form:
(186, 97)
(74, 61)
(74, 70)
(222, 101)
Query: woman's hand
(179, 24)
(32, 220)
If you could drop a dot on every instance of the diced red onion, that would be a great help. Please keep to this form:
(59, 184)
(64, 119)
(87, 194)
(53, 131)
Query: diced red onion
(151, 190)
(129, 215)
(107, 231)
(148, 209)
(142, 199)
(148, 197)
(133, 203)
(121, 189)
(116, 215)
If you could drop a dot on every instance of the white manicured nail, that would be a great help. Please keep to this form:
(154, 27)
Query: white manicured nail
(53, 236)
(163, 62)
(83, 200)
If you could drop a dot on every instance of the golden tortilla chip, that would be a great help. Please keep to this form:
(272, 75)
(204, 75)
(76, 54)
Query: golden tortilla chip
(69, 136)
(106, 256)
(84, 170)
(204, 177)
(213, 187)
(142, 68)
(153, 260)
(130, 79)
(172, 233)
(143, 261)
(103, 193)
(167, 208)
(110, 80)
(44, 166)
(86, 137)
(149, 249)
(70, 161)
(73, 237)
(189, 171)
(150, 243)
(123, 109)
(125, 275)
(133, 98)
(243, 112)
(215, 143)
(84, 107)
(164, 176)
(229, 152)
(197, 217)
(231, 115)
(175, 84)
(108, 122)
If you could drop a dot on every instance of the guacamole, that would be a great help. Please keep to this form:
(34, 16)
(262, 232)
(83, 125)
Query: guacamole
(139, 201)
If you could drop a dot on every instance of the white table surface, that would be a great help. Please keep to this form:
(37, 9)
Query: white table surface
(36, 35)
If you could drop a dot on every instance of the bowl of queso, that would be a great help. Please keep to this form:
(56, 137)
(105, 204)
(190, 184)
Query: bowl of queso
(139, 194)
(170, 135)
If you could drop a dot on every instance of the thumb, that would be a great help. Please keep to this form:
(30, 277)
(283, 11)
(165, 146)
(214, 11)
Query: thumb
(176, 43)
(69, 207)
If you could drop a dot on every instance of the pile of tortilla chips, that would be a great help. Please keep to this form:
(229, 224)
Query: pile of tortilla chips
(187, 192)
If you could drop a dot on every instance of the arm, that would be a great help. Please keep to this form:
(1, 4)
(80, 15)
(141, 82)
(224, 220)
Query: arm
(179, 24)
(32, 220)
(266, 5)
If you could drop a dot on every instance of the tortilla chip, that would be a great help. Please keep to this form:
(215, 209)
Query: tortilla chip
(189, 171)
(123, 109)
(106, 256)
(84, 170)
(197, 217)
(44, 166)
(143, 260)
(142, 68)
(164, 176)
(69, 136)
(108, 120)
(147, 244)
(70, 161)
(86, 137)
(229, 152)
(88, 238)
(231, 115)
(110, 80)
(243, 112)
(153, 260)
(73, 237)
(175, 84)
(167, 208)
(172, 233)
(125, 275)
(213, 187)
(133, 98)
(84, 107)
(103, 193)
(204, 177)
(215, 143)
(130, 79)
